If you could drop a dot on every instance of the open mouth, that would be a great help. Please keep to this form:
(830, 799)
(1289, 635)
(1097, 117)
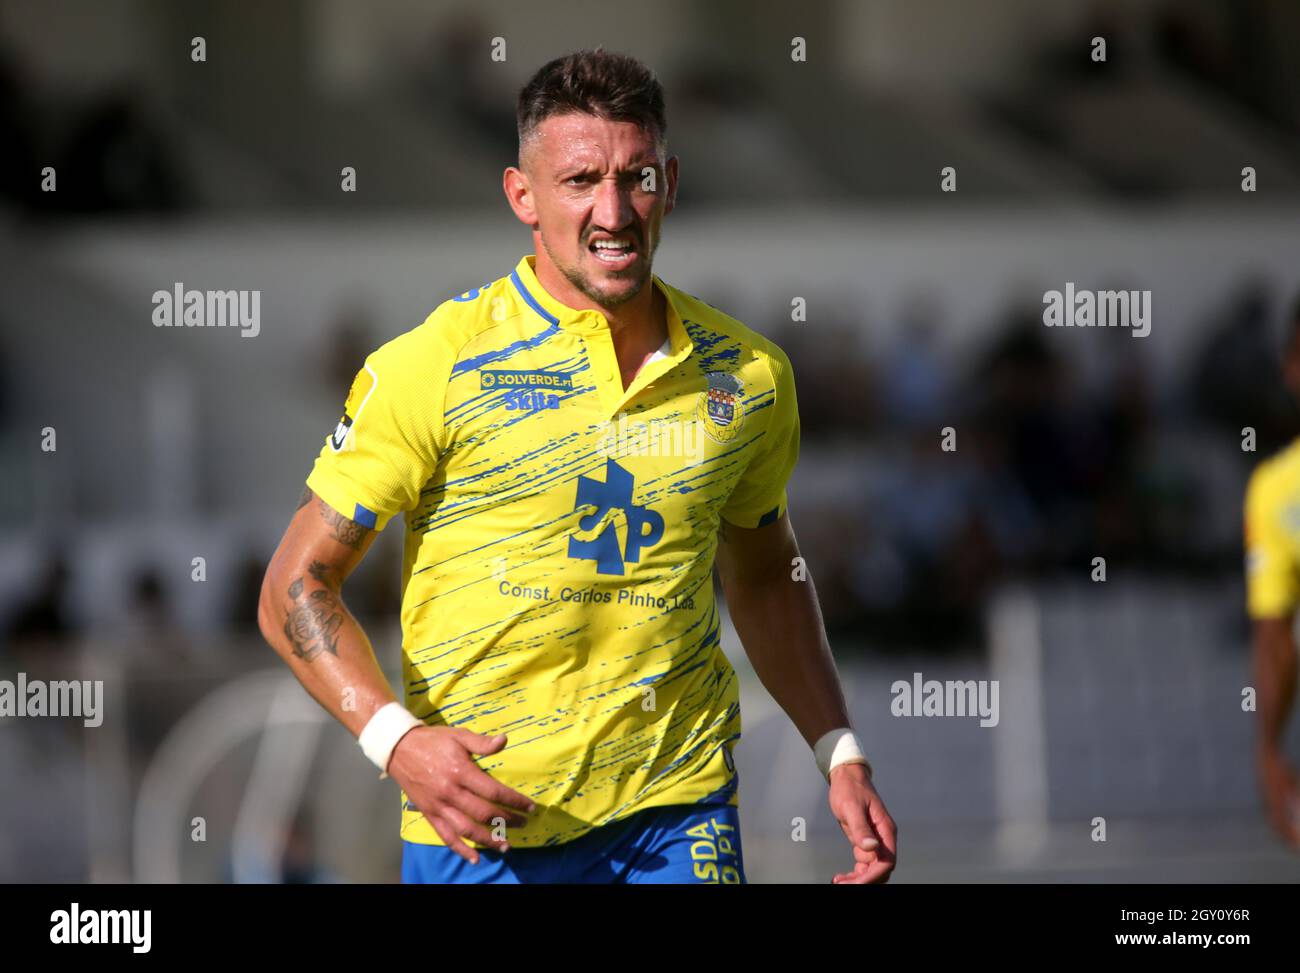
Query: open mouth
(614, 252)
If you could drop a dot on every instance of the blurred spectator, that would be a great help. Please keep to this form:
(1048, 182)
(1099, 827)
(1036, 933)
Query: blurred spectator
(19, 168)
(459, 74)
(151, 627)
(1236, 379)
(836, 382)
(916, 386)
(118, 160)
(301, 864)
(43, 615)
(347, 346)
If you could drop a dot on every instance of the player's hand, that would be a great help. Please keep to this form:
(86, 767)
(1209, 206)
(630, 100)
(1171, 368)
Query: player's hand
(434, 767)
(1281, 795)
(868, 826)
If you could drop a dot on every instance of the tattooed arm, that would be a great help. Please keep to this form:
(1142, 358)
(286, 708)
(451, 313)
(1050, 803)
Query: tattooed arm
(302, 615)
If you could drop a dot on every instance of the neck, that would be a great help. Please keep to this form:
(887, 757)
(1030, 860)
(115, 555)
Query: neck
(637, 327)
(643, 314)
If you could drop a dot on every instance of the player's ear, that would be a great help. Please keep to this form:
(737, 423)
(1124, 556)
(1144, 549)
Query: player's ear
(670, 175)
(519, 194)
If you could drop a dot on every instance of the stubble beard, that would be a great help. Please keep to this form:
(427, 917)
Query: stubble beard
(575, 276)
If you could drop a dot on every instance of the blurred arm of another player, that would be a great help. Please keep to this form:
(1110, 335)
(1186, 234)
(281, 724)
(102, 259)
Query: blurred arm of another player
(1273, 661)
(1272, 593)
(779, 621)
(302, 615)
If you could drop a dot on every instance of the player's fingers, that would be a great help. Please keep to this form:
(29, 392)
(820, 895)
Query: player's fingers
(866, 855)
(855, 878)
(489, 788)
(478, 742)
(857, 827)
(874, 874)
(478, 781)
(452, 840)
(885, 828)
(865, 849)
(878, 874)
(850, 878)
(484, 812)
(860, 840)
(876, 863)
(467, 828)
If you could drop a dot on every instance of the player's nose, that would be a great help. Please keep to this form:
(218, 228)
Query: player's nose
(612, 207)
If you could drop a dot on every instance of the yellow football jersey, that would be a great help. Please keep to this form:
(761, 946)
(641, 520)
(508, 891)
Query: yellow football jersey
(560, 534)
(1272, 533)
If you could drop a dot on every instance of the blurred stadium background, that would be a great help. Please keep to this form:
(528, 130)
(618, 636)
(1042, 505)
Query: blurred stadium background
(1119, 700)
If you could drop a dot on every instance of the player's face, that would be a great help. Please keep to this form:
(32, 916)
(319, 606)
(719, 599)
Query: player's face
(598, 191)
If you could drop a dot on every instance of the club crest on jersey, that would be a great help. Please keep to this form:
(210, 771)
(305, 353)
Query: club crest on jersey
(358, 395)
(721, 409)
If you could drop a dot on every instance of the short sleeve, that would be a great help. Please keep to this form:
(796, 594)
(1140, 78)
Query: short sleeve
(759, 498)
(1271, 585)
(385, 447)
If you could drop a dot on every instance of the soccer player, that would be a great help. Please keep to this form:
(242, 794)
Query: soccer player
(1272, 533)
(572, 446)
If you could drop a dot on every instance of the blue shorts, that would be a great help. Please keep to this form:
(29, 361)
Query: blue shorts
(678, 843)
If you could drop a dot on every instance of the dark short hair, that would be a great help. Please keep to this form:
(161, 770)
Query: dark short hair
(597, 82)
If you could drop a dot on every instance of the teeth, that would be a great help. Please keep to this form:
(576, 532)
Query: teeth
(612, 244)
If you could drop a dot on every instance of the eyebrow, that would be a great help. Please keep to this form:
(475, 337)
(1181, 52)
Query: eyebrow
(634, 168)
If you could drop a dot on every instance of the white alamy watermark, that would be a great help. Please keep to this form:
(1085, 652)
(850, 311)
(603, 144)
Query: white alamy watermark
(124, 926)
(679, 438)
(35, 697)
(1082, 308)
(181, 308)
(954, 697)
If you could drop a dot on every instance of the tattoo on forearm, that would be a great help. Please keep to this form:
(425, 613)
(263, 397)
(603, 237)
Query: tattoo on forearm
(305, 498)
(343, 530)
(313, 623)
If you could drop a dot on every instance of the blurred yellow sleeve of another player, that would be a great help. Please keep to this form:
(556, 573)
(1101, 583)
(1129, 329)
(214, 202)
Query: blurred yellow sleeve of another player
(1272, 587)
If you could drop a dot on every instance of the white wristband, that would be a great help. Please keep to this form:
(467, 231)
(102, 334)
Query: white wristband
(390, 723)
(838, 747)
